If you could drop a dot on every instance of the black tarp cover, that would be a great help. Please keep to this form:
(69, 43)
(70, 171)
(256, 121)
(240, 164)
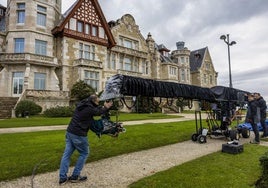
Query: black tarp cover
(228, 94)
(121, 85)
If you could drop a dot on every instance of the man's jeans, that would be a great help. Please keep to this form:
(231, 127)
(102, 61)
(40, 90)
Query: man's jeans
(74, 142)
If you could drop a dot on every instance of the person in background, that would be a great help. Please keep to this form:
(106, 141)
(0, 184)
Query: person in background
(262, 105)
(76, 137)
(252, 117)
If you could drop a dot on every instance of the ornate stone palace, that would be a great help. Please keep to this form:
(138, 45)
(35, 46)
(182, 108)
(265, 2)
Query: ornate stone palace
(43, 53)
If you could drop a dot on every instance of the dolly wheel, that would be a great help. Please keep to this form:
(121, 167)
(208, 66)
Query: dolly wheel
(245, 133)
(202, 139)
(194, 137)
(234, 135)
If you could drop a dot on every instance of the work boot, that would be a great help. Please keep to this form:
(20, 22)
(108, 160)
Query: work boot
(76, 179)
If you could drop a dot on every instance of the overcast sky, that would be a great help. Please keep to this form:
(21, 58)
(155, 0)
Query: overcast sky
(200, 23)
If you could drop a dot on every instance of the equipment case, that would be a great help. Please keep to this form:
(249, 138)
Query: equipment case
(232, 148)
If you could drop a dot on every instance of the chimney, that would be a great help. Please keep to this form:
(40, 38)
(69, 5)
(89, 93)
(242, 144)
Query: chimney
(180, 45)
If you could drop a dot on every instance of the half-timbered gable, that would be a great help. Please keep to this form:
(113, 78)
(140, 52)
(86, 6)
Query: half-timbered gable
(85, 21)
(82, 36)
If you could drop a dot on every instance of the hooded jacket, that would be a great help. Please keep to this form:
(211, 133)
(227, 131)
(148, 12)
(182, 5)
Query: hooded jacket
(83, 116)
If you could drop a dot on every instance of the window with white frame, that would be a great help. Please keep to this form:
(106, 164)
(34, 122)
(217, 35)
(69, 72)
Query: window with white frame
(94, 30)
(92, 78)
(113, 62)
(136, 65)
(80, 26)
(86, 51)
(87, 29)
(121, 41)
(72, 24)
(41, 47)
(207, 66)
(205, 79)
(20, 13)
(121, 61)
(81, 50)
(128, 43)
(39, 81)
(17, 81)
(182, 60)
(19, 45)
(182, 75)
(210, 79)
(172, 70)
(145, 67)
(101, 32)
(166, 54)
(41, 15)
(92, 52)
(108, 60)
(128, 63)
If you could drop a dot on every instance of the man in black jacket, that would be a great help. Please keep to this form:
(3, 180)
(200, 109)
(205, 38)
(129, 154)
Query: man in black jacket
(252, 117)
(76, 137)
(262, 105)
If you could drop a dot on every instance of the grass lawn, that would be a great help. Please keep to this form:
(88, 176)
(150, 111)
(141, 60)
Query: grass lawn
(44, 121)
(20, 152)
(219, 170)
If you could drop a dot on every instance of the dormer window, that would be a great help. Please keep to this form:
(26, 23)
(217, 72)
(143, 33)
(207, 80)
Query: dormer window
(87, 29)
(101, 32)
(165, 54)
(80, 26)
(207, 66)
(197, 55)
(94, 31)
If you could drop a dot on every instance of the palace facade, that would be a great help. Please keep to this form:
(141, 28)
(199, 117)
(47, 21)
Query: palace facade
(43, 53)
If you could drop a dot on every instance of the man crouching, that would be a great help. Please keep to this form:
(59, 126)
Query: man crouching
(76, 137)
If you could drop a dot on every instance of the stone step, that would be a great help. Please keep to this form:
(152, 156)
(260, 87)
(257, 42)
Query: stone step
(6, 106)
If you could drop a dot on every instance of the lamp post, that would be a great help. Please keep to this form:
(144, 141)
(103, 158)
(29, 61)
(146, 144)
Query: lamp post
(225, 38)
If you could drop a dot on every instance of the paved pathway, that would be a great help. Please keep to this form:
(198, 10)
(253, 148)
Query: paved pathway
(63, 127)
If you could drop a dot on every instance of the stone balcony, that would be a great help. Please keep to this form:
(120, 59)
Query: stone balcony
(23, 58)
(129, 73)
(88, 63)
(46, 94)
(129, 51)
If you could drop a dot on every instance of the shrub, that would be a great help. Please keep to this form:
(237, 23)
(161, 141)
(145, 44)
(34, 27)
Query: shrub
(59, 111)
(81, 90)
(263, 181)
(144, 104)
(27, 107)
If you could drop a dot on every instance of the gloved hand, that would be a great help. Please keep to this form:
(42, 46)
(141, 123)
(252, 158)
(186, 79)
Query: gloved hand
(108, 104)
